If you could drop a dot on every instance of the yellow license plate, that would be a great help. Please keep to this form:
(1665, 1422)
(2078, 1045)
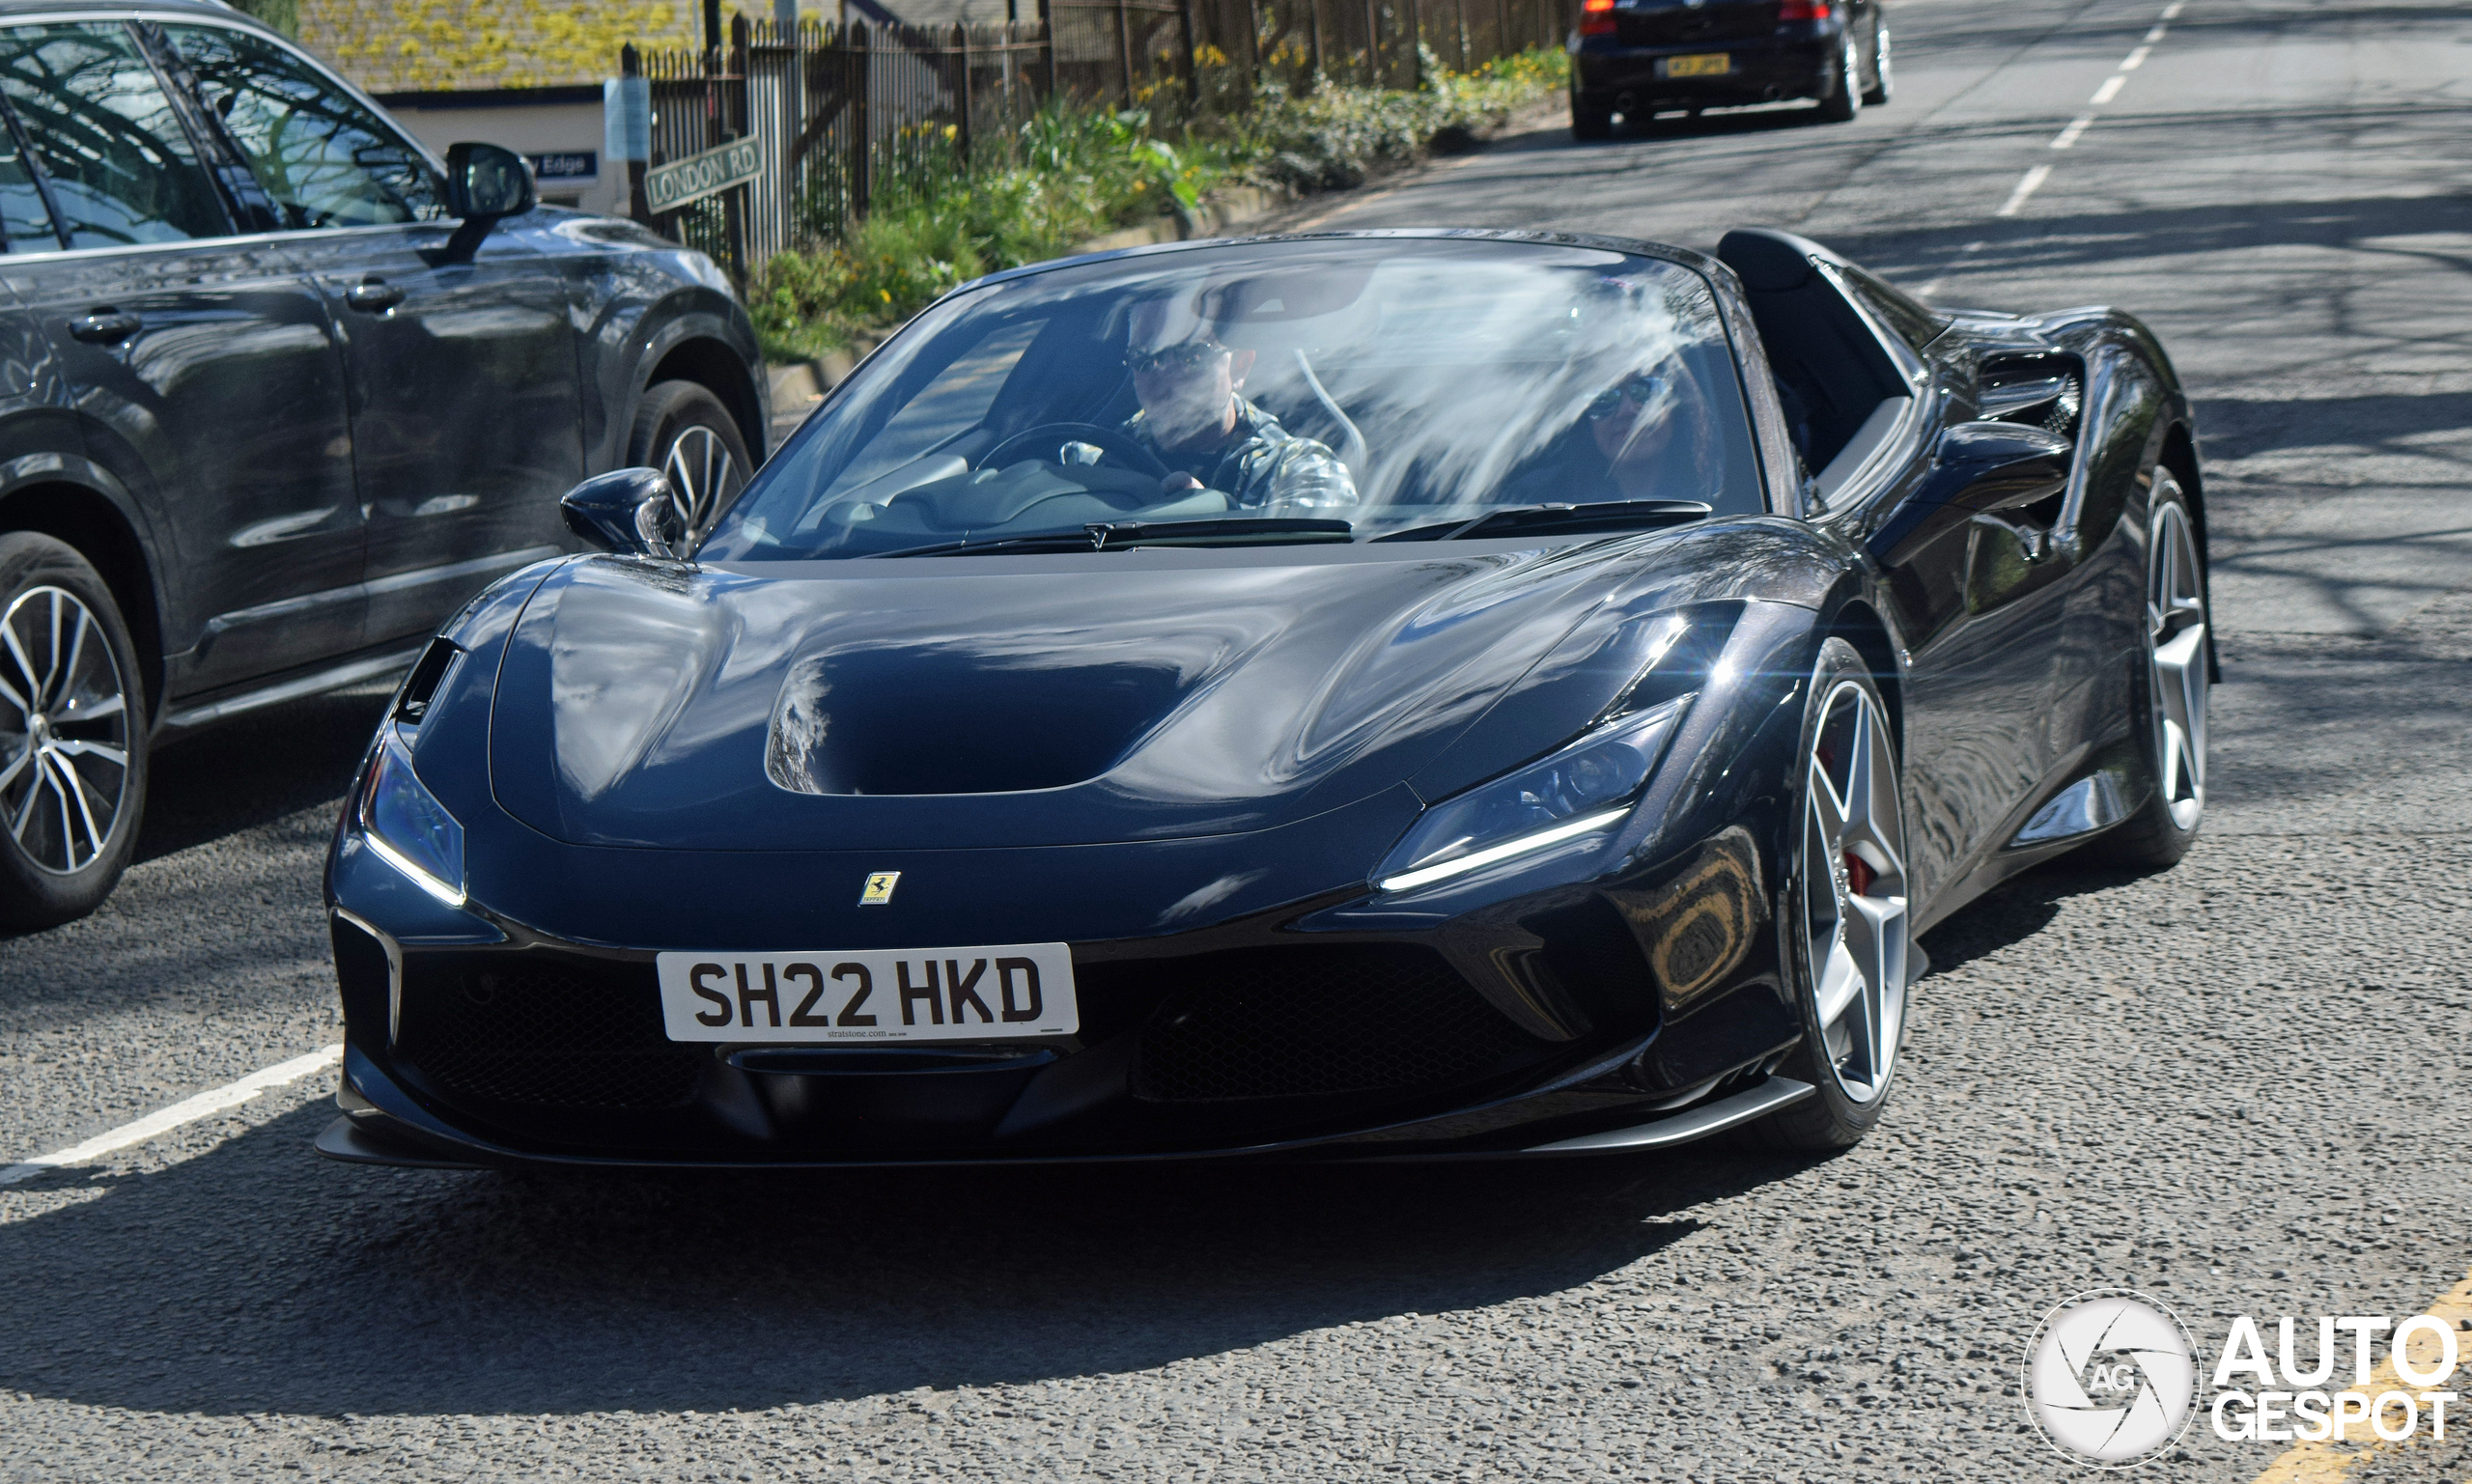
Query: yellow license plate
(1712, 64)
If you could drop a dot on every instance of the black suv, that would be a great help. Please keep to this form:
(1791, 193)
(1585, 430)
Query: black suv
(1641, 57)
(278, 392)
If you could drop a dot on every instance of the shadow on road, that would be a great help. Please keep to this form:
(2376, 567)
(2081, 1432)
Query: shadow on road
(2414, 230)
(1766, 119)
(338, 1289)
(256, 770)
(2018, 908)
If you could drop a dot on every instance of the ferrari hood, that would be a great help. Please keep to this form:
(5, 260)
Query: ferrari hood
(1006, 700)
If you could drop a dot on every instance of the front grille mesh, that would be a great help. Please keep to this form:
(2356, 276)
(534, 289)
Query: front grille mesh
(1314, 1022)
(550, 1037)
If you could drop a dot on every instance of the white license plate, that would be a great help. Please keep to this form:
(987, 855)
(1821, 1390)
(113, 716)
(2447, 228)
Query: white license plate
(888, 995)
(1707, 64)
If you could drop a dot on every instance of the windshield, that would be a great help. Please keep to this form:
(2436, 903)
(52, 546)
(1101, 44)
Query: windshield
(1266, 392)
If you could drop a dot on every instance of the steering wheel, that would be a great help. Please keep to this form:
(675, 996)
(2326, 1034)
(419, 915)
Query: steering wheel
(1046, 438)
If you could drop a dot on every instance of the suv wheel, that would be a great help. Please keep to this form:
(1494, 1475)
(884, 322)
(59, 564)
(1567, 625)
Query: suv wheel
(1846, 101)
(1883, 68)
(73, 734)
(684, 431)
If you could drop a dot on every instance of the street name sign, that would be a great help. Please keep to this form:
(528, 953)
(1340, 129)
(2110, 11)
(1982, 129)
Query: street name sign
(668, 187)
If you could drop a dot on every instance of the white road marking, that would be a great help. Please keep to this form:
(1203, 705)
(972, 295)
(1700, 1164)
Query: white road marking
(2032, 182)
(2066, 138)
(185, 1111)
(1963, 253)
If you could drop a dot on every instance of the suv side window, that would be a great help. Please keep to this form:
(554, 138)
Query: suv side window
(324, 158)
(120, 168)
(25, 222)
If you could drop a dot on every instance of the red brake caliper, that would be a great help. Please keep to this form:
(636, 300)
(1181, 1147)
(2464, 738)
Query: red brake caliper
(1858, 875)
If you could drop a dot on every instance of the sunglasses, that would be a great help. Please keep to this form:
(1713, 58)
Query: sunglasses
(1192, 353)
(1641, 387)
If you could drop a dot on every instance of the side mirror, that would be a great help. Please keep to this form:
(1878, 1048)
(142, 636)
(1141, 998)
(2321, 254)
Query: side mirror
(1976, 467)
(631, 511)
(488, 179)
(483, 182)
(1989, 465)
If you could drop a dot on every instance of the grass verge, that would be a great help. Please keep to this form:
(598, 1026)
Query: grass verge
(1074, 174)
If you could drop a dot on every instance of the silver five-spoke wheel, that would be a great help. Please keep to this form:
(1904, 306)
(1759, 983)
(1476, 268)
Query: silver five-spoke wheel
(63, 731)
(703, 473)
(1854, 891)
(2176, 661)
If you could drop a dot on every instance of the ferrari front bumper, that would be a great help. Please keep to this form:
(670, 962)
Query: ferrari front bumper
(1527, 1012)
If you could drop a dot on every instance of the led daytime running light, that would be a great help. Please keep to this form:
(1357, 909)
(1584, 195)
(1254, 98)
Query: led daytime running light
(1409, 880)
(452, 896)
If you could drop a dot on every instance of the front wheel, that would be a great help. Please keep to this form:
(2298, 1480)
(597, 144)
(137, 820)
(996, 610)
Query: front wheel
(1846, 924)
(2173, 686)
(684, 431)
(73, 734)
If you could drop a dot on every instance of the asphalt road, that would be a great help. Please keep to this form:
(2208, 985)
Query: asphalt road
(2231, 1086)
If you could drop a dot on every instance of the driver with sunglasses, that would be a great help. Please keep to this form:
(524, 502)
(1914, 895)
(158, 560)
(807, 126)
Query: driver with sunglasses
(1196, 419)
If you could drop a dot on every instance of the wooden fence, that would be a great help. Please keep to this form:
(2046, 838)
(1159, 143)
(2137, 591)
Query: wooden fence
(848, 116)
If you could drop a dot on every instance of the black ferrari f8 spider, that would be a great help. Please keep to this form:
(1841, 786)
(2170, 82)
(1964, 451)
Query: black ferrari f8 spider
(1373, 695)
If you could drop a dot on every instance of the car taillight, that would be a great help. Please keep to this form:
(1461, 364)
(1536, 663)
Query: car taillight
(1596, 18)
(1805, 9)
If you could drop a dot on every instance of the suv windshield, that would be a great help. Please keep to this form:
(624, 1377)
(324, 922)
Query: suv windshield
(1269, 392)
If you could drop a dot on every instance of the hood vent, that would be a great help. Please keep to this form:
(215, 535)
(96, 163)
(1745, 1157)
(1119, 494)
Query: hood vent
(917, 721)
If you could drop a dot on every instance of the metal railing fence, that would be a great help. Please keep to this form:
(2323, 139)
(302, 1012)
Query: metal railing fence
(846, 117)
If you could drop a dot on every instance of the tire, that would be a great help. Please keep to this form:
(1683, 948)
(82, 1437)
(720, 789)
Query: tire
(1590, 122)
(73, 734)
(684, 431)
(1860, 927)
(1846, 101)
(2171, 684)
(1883, 68)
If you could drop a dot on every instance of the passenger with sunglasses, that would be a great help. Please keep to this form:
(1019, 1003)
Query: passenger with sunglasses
(1633, 439)
(1195, 417)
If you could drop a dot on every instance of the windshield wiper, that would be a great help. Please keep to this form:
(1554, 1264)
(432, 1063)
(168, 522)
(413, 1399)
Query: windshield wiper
(1525, 519)
(1117, 535)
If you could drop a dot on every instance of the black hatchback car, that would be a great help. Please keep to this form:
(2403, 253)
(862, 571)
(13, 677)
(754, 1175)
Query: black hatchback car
(1640, 57)
(279, 391)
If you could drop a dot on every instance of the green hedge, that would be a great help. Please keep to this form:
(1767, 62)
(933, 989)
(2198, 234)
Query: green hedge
(1077, 174)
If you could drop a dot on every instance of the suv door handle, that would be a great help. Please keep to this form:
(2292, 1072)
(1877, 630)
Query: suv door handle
(374, 296)
(105, 326)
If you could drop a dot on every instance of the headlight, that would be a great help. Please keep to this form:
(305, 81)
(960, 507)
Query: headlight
(404, 825)
(1588, 786)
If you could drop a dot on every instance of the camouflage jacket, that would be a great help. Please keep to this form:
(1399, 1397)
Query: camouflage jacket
(1264, 468)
